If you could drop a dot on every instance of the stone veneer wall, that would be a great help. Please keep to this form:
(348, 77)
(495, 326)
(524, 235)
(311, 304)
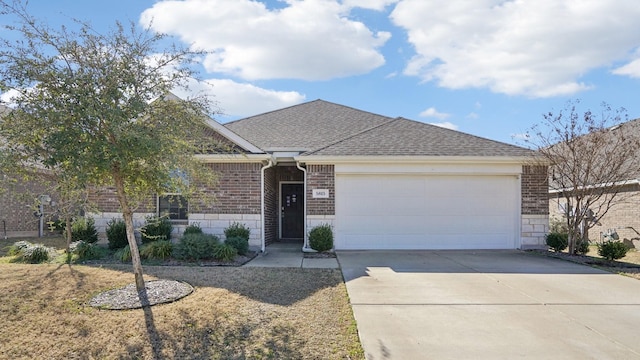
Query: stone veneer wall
(535, 206)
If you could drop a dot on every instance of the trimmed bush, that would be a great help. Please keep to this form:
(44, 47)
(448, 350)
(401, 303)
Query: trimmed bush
(582, 247)
(192, 229)
(85, 250)
(613, 250)
(224, 252)
(123, 254)
(321, 238)
(161, 250)
(196, 246)
(117, 234)
(241, 245)
(156, 228)
(237, 229)
(84, 229)
(557, 241)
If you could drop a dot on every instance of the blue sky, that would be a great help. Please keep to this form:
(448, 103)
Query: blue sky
(485, 67)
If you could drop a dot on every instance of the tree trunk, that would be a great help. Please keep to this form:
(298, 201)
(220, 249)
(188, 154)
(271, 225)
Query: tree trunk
(67, 231)
(127, 214)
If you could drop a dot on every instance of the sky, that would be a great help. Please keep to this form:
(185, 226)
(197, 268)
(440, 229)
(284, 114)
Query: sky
(490, 68)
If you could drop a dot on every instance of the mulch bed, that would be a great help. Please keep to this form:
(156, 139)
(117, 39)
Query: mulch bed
(156, 292)
(319, 255)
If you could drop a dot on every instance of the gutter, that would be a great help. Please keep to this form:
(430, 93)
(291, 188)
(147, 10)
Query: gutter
(305, 247)
(262, 220)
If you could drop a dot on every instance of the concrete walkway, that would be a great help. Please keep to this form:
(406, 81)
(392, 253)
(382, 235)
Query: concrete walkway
(290, 255)
(489, 305)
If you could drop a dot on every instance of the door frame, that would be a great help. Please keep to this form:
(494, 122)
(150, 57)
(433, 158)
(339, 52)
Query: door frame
(304, 199)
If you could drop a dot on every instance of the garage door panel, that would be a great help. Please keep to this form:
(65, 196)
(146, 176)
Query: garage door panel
(426, 212)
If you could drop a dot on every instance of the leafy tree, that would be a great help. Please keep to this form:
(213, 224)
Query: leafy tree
(98, 110)
(592, 156)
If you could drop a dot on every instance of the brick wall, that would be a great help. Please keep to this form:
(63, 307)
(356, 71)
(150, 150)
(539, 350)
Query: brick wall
(106, 200)
(321, 177)
(535, 190)
(16, 209)
(237, 190)
(270, 205)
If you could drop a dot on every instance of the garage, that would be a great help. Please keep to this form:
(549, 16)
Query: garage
(427, 211)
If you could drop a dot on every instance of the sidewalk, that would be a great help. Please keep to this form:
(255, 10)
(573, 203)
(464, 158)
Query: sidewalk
(290, 255)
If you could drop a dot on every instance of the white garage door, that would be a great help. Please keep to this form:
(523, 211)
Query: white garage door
(426, 212)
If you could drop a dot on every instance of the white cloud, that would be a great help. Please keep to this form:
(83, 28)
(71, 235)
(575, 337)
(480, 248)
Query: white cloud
(369, 4)
(631, 69)
(240, 99)
(446, 125)
(537, 48)
(8, 98)
(432, 112)
(309, 40)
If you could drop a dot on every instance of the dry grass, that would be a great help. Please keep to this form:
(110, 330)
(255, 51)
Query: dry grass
(628, 265)
(234, 313)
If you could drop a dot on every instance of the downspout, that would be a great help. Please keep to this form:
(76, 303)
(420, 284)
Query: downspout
(305, 247)
(262, 220)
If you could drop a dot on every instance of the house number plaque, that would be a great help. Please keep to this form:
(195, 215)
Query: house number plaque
(320, 193)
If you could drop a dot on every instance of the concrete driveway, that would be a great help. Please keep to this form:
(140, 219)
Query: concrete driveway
(489, 305)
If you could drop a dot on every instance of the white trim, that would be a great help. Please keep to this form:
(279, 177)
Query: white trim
(596, 186)
(231, 136)
(305, 246)
(280, 205)
(233, 158)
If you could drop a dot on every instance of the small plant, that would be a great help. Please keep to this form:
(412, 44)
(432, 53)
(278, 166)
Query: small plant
(156, 228)
(196, 246)
(582, 247)
(193, 229)
(161, 249)
(237, 229)
(613, 250)
(557, 241)
(85, 250)
(321, 238)
(84, 229)
(224, 252)
(241, 245)
(116, 234)
(31, 253)
(123, 254)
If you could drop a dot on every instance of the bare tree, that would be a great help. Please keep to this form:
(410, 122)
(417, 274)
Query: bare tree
(592, 156)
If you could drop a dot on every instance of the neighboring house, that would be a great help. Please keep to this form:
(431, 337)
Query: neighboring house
(623, 217)
(380, 182)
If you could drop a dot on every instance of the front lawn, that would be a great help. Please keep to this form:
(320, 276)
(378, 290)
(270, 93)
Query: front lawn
(234, 313)
(628, 265)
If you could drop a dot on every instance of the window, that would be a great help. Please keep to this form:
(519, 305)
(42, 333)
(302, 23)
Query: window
(173, 205)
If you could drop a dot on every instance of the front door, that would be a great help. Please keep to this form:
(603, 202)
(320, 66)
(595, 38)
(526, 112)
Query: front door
(292, 211)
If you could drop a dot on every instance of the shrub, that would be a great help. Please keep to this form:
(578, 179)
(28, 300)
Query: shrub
(612, 250)
(582, 247)
(161, 249)
(123, 254)
(321, 238)
(224, 252)
(85, 250)
(192, 229)
(156, 228)
(31, 253)
(84, 229)
(241, 245)
(196, 246)
(116, 234)
(557, 241)
(237, 229)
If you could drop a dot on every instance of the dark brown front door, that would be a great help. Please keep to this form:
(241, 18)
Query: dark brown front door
(292, 211)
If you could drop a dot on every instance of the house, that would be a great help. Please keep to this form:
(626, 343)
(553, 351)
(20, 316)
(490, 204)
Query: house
(616, 210)
(380, 182)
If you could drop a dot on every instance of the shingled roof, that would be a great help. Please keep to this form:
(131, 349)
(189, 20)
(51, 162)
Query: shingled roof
(321, 128)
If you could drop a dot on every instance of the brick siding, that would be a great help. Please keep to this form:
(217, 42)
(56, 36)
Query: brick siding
(17, 207)
(237, 190)
(270, 205)
(535, 190)
(321, 177)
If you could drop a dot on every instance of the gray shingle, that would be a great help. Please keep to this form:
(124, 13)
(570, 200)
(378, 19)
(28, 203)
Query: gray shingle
(323, 128)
